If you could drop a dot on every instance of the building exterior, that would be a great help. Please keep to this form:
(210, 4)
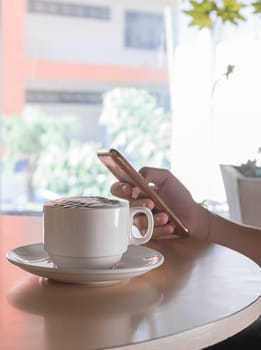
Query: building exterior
(63, 55)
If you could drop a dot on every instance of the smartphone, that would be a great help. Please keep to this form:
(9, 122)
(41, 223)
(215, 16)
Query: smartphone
(124, 171)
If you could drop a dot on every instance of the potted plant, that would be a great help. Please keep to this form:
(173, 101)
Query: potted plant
(242, 185)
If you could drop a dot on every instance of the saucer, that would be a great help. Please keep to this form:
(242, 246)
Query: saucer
(136, 261)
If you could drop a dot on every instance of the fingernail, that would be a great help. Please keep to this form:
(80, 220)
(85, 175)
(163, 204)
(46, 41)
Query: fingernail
(125, 188)
(135, 193)
(171, 229)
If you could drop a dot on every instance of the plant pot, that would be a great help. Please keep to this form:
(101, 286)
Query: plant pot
(243, 196)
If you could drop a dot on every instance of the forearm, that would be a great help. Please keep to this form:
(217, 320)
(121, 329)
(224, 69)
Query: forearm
(244, 239)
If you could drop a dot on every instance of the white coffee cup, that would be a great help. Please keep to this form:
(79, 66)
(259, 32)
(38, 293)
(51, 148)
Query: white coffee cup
(91, 232)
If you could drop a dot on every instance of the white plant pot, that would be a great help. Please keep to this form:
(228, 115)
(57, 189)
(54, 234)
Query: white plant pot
(243, 196)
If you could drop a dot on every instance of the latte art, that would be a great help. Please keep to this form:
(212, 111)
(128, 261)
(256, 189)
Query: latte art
(84, 202)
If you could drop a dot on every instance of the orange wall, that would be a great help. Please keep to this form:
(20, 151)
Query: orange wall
(92, 72)
(16, 68)
(13, 24)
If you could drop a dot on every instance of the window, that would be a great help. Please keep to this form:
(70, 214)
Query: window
(70, 87)
(61, 97)
(144, 30)
(68, 9)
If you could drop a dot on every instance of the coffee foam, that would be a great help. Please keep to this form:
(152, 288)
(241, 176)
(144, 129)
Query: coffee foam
(84, 202)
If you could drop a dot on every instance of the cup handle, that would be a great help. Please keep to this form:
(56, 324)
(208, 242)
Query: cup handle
(147, 236)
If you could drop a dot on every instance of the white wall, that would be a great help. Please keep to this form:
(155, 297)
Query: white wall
(223, 127)
(83, 40)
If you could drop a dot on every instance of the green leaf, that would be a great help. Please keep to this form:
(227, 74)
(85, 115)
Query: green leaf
(230, 70)
(229, 12)
(205, 12)
(257, 6)
(201, 13)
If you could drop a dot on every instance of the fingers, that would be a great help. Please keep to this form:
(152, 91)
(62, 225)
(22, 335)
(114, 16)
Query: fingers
(155, 175)
(121, 189)
(161, 225)
(142, 202)
(126, 191)
(159, 220)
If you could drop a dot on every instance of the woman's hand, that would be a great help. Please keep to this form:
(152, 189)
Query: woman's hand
(175, 195)
(201, 223)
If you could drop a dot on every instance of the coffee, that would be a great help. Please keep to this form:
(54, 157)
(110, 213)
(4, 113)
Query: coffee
(84, 202)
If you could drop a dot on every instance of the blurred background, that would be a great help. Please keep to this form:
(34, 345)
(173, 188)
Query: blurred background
(171, 84)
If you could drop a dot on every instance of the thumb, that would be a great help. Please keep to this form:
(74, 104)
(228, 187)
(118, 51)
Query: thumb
(156, 176)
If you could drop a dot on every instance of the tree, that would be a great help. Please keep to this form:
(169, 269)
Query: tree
(27, 137)
(54, 160)
(137, 126)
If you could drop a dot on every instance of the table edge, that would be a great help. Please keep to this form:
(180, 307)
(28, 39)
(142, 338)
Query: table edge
(205, 335)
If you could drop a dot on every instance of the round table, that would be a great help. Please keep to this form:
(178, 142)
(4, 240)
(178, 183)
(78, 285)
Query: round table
(203, 293)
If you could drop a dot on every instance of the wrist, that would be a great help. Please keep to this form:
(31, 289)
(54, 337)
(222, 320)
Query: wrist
(203, 218)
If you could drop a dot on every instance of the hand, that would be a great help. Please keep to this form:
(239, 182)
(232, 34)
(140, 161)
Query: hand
(173, 192)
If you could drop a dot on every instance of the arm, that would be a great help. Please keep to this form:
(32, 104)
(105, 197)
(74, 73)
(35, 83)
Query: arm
(202, 224)
(244, 239)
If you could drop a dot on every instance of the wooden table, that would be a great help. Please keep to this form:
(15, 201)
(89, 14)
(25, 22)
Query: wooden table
(202, 294)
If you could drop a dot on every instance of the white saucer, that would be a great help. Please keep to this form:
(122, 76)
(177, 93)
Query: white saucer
(136, 261)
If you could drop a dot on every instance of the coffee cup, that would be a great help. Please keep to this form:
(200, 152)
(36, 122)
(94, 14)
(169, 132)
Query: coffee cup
(91, 232)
